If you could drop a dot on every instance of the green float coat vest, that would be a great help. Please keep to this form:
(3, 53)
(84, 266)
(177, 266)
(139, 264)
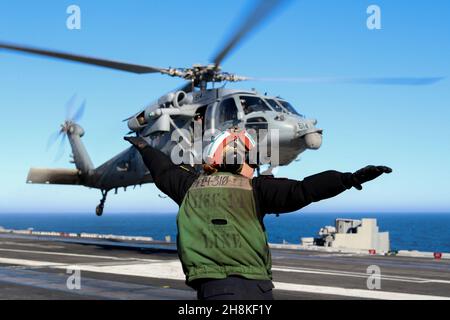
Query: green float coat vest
(219, 233)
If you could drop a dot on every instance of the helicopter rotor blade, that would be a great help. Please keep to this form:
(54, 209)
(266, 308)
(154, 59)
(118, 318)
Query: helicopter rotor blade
(70, 107)
(79, 113)
(400, 81)
(61, 147)
(52, 139)
(253, 19)
(134, 68)
(72, 115)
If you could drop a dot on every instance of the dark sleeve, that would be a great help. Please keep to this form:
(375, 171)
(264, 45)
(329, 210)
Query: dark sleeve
(279, 195)
(171, 179)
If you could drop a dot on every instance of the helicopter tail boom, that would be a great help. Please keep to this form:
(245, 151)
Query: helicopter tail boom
(54, 176)
(81, 157)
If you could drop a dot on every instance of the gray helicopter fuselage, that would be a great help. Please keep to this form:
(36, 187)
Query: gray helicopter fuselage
(125, 169)
(219, 109)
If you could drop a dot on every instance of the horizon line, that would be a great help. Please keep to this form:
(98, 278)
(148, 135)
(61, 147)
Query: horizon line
(175, 212)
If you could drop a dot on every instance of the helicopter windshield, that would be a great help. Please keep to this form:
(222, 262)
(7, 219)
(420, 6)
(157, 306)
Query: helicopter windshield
(253, 104)
(289, 107)
(275, 106)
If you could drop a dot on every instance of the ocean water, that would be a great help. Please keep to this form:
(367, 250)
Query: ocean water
(417, 231)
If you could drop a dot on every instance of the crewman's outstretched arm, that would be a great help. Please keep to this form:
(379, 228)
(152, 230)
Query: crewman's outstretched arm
(277, 195)
(171, 179)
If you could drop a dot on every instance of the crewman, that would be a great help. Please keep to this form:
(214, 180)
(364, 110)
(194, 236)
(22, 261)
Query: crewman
(222, 243)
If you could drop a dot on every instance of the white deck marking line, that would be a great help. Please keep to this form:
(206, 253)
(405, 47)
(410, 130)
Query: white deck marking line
(30, 263)
(79, 255)
(357, 275)
(172, 270)
(275, 268)
(165, 270)
(355, 293)
(157, 269)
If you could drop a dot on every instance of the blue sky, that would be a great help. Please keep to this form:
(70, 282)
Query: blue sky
(403, 127)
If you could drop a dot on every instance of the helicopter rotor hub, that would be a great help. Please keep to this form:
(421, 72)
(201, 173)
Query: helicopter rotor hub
(204, 73)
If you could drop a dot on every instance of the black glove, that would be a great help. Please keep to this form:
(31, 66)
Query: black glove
(367, 174)
(138, 142)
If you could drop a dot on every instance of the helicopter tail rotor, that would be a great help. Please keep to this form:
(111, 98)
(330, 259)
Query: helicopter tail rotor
(73, 115)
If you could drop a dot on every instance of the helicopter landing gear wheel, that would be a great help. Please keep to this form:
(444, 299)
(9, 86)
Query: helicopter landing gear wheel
(99, 210)
(101, 206)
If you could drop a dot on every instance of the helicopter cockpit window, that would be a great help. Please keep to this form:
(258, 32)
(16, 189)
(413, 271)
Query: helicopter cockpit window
(228, 111)
(289, 107)
(275, 106)
(253, 104)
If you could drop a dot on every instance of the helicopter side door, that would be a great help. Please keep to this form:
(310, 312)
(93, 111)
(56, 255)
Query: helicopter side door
(223, 114)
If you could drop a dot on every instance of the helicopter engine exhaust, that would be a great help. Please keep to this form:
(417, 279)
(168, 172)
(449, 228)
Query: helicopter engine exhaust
(313, 140)
(178, 99)
(175, 99)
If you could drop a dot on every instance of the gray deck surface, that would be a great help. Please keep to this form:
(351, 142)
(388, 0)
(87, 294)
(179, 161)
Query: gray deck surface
(36, 268)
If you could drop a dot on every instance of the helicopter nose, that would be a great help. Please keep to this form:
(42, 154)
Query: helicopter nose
(313, 140)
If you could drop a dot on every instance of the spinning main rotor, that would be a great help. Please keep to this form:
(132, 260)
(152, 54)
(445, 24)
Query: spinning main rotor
(201, 75)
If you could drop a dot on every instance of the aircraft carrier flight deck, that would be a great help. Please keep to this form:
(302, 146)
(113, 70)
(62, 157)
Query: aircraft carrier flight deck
(33, 267)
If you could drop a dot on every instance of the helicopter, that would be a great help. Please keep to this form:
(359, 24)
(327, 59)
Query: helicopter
(197, 102)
